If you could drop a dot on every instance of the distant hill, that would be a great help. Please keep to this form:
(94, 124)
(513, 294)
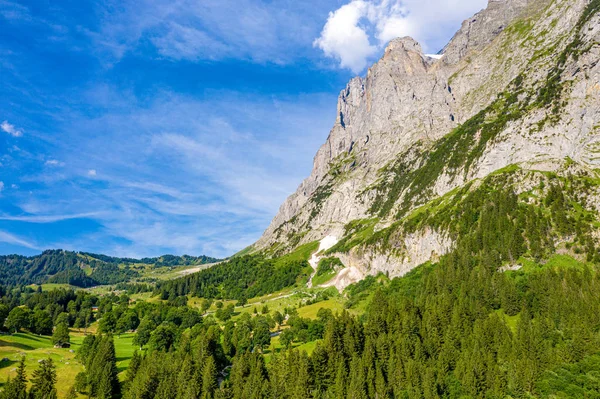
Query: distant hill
(165, 260)
(82, 269)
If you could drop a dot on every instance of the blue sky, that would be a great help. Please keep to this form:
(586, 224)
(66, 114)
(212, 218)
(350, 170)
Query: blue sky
(144, 127)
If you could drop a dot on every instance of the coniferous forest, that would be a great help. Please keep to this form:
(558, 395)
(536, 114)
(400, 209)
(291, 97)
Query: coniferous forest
(464, 327)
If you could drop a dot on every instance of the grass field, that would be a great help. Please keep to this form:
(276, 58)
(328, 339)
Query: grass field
(323, 278)
(310, 311)
(50, 287)
(276, 347)
(36, 348)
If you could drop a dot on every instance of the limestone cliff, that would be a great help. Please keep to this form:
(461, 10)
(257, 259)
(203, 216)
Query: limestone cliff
(517, 85)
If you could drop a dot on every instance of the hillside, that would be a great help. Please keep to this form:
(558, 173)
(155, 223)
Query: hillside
(516, 89)
(83, 269)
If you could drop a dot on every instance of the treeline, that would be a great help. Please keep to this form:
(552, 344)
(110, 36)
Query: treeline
(240, 278)
(161, 261)
(61, 267)
(50, 312)
(468, 332)
(66, 267)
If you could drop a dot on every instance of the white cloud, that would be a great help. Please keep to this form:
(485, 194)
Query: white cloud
(92, 172)
(12, 239)
(344, 39)
(10, 129)
(1, 186)
(257, 31)
(14, 11)
(207, 175)
(357, 31)
(48, 218)
(54, 162)
(184, 42)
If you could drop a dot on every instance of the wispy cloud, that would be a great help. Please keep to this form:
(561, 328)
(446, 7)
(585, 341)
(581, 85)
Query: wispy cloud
(198, 176)
(47, 218)
(10, 129)
(54, 162)
(13, 11)
(358, 30)
(12, 239)
(1, 186)
(257, 31)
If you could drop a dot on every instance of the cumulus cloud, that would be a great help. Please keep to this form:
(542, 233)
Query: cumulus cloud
(344, 39)
(10, 129)
(357, 31)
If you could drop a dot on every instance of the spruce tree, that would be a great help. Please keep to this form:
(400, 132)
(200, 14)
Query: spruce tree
(209, 378)
(44, 381)
(16, 388)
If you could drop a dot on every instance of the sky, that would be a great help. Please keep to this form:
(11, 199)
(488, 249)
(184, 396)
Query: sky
(145, 127)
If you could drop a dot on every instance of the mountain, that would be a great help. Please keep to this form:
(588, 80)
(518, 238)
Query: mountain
(422, 149)
(82, 269)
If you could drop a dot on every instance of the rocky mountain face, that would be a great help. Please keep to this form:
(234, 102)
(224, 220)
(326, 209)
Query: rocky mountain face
(518, 87)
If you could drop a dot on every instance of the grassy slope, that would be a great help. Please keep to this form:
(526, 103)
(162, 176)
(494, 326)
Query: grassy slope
(40, 347)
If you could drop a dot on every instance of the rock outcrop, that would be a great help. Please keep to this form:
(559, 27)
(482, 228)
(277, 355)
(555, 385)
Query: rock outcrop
(528, 70)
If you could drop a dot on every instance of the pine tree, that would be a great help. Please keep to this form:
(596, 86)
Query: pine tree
(102, 371)
(16, 388)
(341, 380)
(44, 381)
(209, 378)
(134, 365)
(104, 388)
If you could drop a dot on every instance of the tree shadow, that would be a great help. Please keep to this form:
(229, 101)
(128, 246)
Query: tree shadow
(6, 363)
(120, 364)
(16, 345)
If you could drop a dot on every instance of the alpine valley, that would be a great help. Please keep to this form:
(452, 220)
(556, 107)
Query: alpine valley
(445, 245)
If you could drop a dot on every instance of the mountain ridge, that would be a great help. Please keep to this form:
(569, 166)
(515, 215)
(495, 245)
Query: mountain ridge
(82, 269)
(516, 86)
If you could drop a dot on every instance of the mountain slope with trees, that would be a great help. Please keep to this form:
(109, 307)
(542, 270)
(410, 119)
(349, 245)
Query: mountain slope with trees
(82, 269)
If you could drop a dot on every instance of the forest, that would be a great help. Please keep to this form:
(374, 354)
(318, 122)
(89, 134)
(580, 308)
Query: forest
(511, 311)
(82, 269)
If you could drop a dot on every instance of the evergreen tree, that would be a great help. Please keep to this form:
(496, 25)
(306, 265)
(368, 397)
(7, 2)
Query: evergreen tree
(209, 378)
(16, 388)
(102, 369)
(44, 381)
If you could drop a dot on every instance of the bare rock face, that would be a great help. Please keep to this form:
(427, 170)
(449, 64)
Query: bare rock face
(479, 31)
(409, 103)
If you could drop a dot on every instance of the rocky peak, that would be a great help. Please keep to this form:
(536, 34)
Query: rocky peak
(406, 57)
(482, 28)
(404, 116)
